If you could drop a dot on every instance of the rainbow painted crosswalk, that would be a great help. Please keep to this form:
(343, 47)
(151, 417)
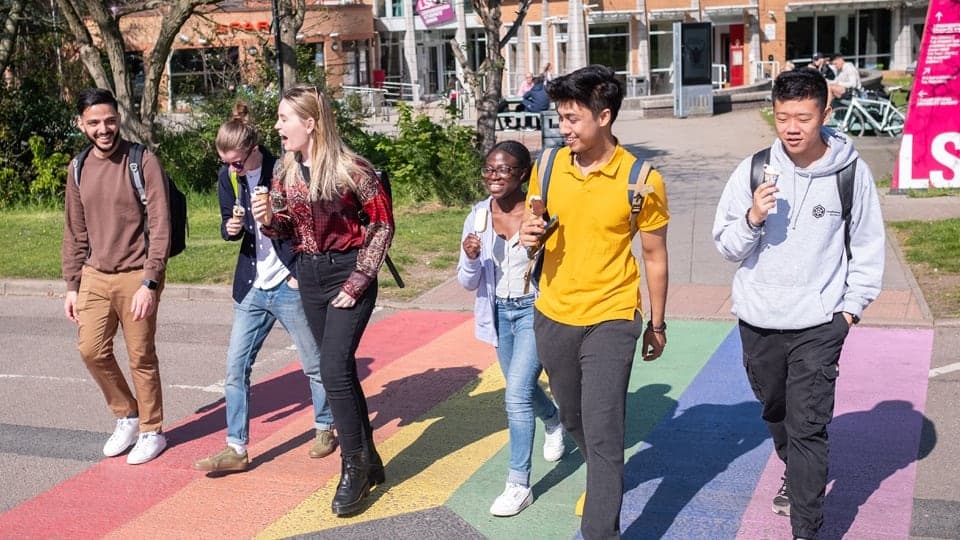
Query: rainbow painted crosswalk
(700, 462)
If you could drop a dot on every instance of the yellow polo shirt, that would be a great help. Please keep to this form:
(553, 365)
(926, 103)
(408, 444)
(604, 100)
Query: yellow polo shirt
(589, 274)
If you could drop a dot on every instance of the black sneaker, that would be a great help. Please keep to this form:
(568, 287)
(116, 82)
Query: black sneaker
(781, 503)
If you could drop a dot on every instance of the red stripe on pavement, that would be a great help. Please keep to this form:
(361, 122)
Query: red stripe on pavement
(111, 493)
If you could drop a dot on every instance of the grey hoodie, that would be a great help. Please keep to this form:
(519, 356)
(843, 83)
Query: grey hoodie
(794, 273)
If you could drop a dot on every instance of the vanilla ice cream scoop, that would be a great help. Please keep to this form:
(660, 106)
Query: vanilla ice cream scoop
(771, 174)
(480, 220)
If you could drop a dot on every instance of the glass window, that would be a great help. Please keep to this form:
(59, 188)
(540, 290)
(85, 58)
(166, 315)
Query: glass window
(874, 38)
(201, 72)
(396, 7)
(610, 46)
(800, 38)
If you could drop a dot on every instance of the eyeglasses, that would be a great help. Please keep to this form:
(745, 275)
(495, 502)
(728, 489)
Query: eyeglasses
(238, 165)
(502, 170)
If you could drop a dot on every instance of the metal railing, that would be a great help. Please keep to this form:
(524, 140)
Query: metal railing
(400, 91)
(718, 75)
(765, 70)
(371, 99)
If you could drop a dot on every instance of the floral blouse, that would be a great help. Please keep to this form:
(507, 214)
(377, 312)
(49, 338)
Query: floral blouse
(321, 226)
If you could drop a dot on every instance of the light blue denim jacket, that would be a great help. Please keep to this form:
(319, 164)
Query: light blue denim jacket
(479, 275)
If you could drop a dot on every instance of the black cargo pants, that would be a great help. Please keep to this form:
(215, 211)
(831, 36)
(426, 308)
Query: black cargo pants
(794, 373)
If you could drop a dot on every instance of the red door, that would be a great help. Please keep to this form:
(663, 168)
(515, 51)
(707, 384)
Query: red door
(737, 55)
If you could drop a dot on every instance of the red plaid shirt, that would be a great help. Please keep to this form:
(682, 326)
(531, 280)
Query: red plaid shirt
(322, 226)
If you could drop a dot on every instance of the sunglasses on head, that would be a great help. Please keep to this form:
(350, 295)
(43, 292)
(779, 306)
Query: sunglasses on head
(238, 165)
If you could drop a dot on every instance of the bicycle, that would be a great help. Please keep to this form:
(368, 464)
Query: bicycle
(858, 115)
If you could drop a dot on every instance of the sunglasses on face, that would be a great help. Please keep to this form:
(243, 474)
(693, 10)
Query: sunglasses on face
(238, 165)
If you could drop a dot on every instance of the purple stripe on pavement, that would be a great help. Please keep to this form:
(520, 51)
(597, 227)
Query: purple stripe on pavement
(874, 438)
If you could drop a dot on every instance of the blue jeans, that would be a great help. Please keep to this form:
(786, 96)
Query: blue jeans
(252, 321)
(525, 399)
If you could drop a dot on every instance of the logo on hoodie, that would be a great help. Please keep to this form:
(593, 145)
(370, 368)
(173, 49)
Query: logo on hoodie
(819, 211)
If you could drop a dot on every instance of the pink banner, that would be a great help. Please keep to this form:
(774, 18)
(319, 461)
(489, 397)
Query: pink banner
(930, 150)
(434, 12)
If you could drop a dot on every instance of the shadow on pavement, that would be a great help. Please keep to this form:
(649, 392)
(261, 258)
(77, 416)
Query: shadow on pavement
(866, 448)
(279, 397)
(688, 451)
(451, 422)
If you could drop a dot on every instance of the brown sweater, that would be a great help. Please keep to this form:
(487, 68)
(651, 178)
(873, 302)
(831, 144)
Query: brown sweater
(104, 220)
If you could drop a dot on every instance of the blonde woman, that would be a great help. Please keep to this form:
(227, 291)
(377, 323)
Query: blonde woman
(329, 201)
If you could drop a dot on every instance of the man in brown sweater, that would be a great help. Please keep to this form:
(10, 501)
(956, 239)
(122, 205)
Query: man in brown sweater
(115, 274)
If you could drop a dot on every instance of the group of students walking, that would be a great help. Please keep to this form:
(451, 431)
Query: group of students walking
(553, 268)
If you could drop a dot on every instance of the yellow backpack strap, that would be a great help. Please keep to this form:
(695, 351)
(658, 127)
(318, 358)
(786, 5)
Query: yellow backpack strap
(635, 193)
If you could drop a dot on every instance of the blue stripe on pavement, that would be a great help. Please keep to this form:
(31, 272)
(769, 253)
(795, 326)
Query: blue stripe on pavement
(694, 476)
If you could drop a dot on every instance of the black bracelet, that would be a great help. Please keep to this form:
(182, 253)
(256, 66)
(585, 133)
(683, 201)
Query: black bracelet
(657, 329)
(754, 228)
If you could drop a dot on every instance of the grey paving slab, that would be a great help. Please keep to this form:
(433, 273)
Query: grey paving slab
(435, 523)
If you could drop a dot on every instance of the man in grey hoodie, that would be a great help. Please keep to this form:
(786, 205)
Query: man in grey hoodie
(799, 287)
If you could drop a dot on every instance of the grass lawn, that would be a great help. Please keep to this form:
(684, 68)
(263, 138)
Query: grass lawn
(933, 250)
(425, 247)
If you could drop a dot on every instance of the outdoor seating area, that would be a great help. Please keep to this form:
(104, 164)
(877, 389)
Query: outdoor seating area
(515, 121)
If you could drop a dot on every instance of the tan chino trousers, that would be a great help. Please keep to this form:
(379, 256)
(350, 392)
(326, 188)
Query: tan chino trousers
(103, 302)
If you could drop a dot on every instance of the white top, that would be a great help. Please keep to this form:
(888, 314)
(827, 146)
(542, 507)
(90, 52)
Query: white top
(511, 263)
(270, 269)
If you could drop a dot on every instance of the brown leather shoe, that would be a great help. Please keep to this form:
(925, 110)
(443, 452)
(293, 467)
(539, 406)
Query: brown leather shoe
(324, 444)
(227, 460)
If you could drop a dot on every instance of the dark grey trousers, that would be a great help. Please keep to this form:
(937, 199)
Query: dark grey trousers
(589, 369)
(794, 374)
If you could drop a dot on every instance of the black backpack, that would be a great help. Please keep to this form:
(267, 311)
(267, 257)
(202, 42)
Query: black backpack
(179, 226)
(845, 179)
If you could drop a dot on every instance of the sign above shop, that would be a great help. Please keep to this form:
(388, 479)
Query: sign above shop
(435, 12)
(243, 26)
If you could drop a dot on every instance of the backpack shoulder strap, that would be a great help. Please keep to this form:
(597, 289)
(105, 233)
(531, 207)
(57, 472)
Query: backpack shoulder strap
(135, 163)
(639, 173)
(77, 163)
(845, 181)
(544, 169)
(759, 159)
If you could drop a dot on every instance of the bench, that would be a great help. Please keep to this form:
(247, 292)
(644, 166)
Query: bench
(512, 120)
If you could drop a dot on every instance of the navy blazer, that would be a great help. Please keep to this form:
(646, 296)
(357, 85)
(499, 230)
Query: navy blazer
(246, 270)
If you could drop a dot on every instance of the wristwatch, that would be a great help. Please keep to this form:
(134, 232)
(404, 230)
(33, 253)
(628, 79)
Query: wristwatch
(150, 284)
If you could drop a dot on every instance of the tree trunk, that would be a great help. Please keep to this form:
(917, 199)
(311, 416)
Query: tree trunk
(9, 33)
(292, 13)
(134, 127)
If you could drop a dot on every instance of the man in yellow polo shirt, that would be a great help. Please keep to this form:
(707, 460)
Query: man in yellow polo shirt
(588, 319)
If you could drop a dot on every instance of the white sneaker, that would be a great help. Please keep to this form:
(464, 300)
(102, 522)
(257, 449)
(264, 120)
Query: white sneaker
(124, 435)
(513, 499)
(553, 447)
(149, 446)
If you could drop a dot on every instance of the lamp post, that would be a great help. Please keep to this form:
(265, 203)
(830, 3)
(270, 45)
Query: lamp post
(275, 7)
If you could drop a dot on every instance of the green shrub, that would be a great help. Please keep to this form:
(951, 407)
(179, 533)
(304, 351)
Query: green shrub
(430, 161)
(51, 172)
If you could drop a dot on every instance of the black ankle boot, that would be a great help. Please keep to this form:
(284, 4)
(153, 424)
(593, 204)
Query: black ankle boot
(376, 474)
(354, 485)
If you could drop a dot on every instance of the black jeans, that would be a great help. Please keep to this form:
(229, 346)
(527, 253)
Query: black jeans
(794, 375)
(589, 369)
(338, 333)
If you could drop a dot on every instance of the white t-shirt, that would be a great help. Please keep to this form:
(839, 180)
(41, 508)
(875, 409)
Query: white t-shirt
(270, 269)
(511, 263)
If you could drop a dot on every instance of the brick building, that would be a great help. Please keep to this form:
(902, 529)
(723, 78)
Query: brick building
(232, 43)
(751, 38)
